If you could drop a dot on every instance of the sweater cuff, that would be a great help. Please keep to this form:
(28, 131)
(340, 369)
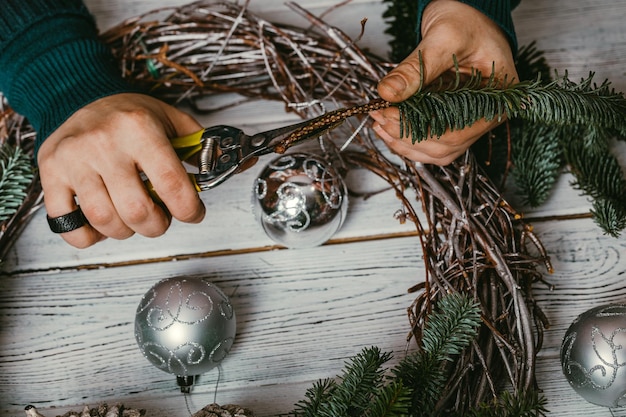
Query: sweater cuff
(498, 11)
(60, 82)
(52, 66)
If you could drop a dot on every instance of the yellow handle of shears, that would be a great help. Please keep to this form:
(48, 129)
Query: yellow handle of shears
(185, 147)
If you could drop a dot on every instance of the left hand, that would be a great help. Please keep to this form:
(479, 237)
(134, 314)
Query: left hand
(449, 28)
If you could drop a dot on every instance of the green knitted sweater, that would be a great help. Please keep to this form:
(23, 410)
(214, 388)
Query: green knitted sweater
(52, 63)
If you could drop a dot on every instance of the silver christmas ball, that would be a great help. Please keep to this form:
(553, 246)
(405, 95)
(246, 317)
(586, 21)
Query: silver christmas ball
(593, 355)
(185, 326)
(300, 200)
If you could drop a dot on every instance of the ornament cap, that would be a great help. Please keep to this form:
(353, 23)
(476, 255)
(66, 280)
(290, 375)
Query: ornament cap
(185, 383)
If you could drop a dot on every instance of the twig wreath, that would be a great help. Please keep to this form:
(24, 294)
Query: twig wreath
(481, 259)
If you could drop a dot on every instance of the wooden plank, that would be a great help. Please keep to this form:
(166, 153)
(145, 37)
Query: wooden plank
(577, 36)
(68, 336)
(300, 314)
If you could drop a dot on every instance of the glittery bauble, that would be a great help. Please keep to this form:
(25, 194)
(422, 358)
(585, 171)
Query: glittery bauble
(185, 326)
(300, 200)
(593, 355)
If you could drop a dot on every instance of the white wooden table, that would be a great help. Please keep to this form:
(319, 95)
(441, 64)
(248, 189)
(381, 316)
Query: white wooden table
(66, 315)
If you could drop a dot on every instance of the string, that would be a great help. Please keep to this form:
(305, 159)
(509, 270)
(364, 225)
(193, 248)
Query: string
(187, 404)
(217, 384)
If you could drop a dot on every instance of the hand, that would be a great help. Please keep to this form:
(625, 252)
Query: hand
(448, 28)
(96, 158)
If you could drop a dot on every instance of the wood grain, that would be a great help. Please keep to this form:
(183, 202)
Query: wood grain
(301, 314)
(66, 315)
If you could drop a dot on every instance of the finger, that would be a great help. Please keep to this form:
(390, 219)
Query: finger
(427, 62)
(99, 209)
(439, 151)
(170, 179)
(173, 186)
(59, 202)
(132, 209)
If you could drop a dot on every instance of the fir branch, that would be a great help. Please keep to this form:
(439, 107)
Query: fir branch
(431, 112)
(401, 17)
(361, 392)
(599, 175)
(315, 395)
(393, 400)
(530, 405)
(426, 379)
(16, 175)
(531, 64)
(360, 380)
(609, 215)
(449, 330)
(415, 384)
(537, 159)
(597, 172)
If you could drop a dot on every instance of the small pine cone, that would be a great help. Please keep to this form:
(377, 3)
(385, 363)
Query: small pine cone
(103, 410)
(228, 410)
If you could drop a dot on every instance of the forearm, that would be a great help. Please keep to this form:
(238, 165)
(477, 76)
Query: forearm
(51, 61)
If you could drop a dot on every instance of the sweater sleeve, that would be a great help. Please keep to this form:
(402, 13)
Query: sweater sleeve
(497, 10)
(51, 61)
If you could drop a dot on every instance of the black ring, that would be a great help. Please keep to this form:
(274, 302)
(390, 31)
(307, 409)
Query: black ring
(67, 222)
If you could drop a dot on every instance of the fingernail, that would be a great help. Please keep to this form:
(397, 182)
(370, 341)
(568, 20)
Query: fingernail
(378, 117)
(395, 83)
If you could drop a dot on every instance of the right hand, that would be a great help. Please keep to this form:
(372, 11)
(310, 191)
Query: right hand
(95, 158)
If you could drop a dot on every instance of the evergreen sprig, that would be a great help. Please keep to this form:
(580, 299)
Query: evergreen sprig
(530, 405)
(554, 123)
(432, 111)
(401, 17)
(537, 158)
(361, 392)
(16, 174)
(449, 330)
(414, 386)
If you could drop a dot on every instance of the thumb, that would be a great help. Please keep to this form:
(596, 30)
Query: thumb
(406, 78)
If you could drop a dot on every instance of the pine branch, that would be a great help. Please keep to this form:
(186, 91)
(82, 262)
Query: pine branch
(581, 118)
(315, 395)
(413, 387)
(530, 405)
(393, 400)
(597, 172)
(401, 17)
(16, 175)
(429, 113)
(361, 392)
(449, 330)
(360, 380)
(609, 215)
(599, 175)
(426, 379)
(537, 159)
(531, 63)
(452, 327)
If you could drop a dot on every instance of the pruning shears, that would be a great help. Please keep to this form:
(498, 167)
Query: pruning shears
(221, 152)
